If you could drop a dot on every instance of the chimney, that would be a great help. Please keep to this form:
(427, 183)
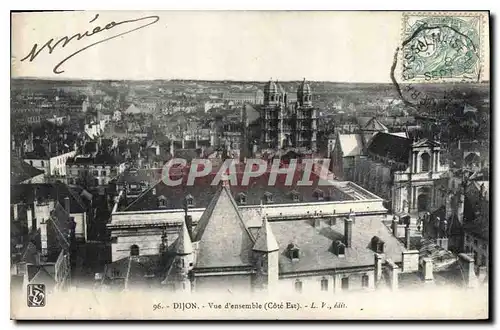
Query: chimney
(428, 269)
(29, 218)
(378, 267)
(43, 237)
(189, 225)
(407, 237)
(393, 270)
(347, 232)
(467, 266)
(394, 226)
(172, 148)
(352, 216)
(15, 212)
(410, 261)
(67, 204)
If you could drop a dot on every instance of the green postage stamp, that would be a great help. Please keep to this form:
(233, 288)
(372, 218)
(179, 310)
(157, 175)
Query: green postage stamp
(442, 47)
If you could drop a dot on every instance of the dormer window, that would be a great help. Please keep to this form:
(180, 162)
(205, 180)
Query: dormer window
(319, 194)
(295, 195)
(339, 248)
(426, 162)
(293, 252)
(324, 284)
(242, 198)
(162, 202)
(377, 244)
(189, 200)
(268, 197)
(298, 286)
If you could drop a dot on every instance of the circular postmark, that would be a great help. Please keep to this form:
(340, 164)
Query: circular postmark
(440, 48)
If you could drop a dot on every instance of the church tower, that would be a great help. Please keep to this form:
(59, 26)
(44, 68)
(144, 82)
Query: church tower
(266, 257)
(306, 114)
(271, 96)
(304, 95)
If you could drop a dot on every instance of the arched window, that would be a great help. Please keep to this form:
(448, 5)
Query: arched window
(364, 281)
(242, 197)
(162, 202)
(324, 284)
(344, 283)
(298, 286)
(134, 250)
(189, 200)
(426, 162)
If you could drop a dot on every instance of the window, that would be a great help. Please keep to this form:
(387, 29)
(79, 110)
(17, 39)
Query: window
(377, 244)
(242, 198)
(103, 173)
(364, 281)
(293, 251)
(324, 284)
(189, 201)
(31, 162)
(295, 196)
(43, 163)
(134, 250)
(339, 248)
(162, 202)
(344, 283)
(95, 173)
(318, 193)
(298, 286)
(475, 242)
(426, 162)
(268, 197)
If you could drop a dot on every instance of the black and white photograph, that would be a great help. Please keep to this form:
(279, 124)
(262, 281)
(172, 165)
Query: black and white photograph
(176, 165)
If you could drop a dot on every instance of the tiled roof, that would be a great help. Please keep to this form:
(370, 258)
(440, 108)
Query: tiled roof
(265, 240)
(43, 274)
(30, 254)
(133, 271)
(351, 144)
(99, 159)
(21, 171)
(224, 240)
(26, 193)
(202, 191)
(391, 146)
(315, 244)
(374, 125)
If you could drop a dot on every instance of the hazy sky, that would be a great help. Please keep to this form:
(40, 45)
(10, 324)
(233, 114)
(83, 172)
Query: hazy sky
(331, 46)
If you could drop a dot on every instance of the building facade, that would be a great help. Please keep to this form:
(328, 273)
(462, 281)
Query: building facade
(284, 124)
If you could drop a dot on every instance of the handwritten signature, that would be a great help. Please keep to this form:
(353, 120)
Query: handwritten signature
(64, 41)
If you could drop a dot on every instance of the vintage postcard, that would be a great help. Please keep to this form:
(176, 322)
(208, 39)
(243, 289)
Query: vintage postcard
(179, 165)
